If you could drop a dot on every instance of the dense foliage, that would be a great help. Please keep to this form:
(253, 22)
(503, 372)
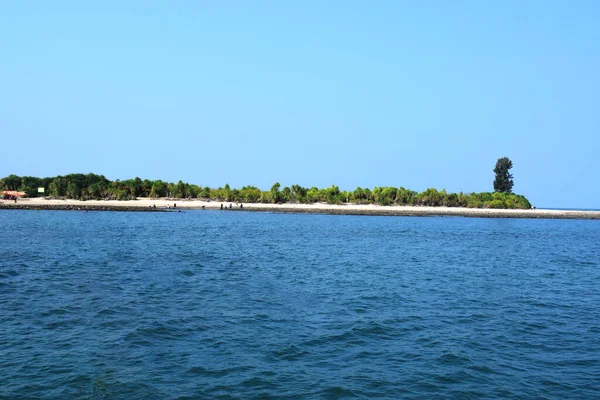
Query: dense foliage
(91, 186)
(503, 182)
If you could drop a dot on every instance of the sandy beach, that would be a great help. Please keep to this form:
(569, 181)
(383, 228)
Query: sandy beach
(162, 205)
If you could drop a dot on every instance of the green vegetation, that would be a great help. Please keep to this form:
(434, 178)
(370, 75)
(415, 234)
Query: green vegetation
(504, 179)
(91, 186)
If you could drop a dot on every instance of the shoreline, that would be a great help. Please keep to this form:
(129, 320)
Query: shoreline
(165, 205)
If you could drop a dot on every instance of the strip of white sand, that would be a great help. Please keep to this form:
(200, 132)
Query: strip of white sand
(369, 209)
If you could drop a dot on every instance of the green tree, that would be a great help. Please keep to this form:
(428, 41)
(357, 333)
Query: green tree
(159, 189)
(180, 191)
(137, 187)
(194, 191)
(298, 193)
(358, 195)
(275, 193)
(405, 196)
(312, 195)
(504, 179)
(92, 186)
(250, 194)
(73, 190)
(96, 190)
(430, 197)
(333, 195)
(30, 184)
(12, 182)
(53, 189)
(286, 194)
(205, 193)
(60, 187)
(226, 193)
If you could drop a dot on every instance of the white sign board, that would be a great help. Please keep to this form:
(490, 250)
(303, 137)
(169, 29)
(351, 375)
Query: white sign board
(40, 190)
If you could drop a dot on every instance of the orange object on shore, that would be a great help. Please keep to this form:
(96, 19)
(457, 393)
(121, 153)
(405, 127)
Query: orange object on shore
(13, 193)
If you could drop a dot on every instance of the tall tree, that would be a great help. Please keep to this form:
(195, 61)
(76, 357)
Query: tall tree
(12, 182)
(159, 189)
(180, 190)
(275, 193)
(504, 179)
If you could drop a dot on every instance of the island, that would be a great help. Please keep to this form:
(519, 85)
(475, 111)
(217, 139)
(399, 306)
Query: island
(91, 192)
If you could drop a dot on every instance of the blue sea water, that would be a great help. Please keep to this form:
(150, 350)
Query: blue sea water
(220, 304)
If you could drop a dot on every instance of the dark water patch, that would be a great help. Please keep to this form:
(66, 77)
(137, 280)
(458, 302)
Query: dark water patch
(217, 373)
(338, 392)
(453, 359)
(587, 262)
(56, 312)
(484, 369)
(9, 273)
(291, 353)
(454, 378)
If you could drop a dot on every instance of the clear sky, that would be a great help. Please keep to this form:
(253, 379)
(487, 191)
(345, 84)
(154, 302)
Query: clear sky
(354, 93)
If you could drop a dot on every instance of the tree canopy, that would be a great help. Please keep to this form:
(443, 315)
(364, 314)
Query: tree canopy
(503, 182)
(92, 186)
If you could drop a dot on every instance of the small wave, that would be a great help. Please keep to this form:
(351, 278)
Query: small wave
(484, 369)
(373, 329)
(291, 353)
(587, 263)
(54, 311)
(258, 383)
(63, 323)
(534, 325)
(590, 362)
(144, 335)
(453, 359)
(10, 273)
(216, 373)
(454, 378)
(337, 392)
(106, 312)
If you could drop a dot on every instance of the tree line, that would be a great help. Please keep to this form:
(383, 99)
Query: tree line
(96, 187)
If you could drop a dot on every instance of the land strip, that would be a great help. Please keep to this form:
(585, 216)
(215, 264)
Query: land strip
(158, 205)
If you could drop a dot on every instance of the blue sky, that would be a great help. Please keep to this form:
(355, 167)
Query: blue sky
(384, 93)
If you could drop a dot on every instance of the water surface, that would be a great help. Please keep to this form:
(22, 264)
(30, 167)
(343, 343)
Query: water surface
(211, 304)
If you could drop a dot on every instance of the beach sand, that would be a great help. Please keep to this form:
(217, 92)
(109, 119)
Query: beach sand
(146, 204)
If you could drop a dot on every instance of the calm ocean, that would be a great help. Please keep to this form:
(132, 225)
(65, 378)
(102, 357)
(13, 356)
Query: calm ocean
(220, 304)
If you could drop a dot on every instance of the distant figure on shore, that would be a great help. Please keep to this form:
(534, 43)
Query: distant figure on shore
(168, 206)
(15, 200)
(174, 205)
(221, 206)
(154, 206)
(230, 206)
(241, 205)
(203, 207)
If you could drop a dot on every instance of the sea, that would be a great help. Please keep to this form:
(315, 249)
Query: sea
(242, 305)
